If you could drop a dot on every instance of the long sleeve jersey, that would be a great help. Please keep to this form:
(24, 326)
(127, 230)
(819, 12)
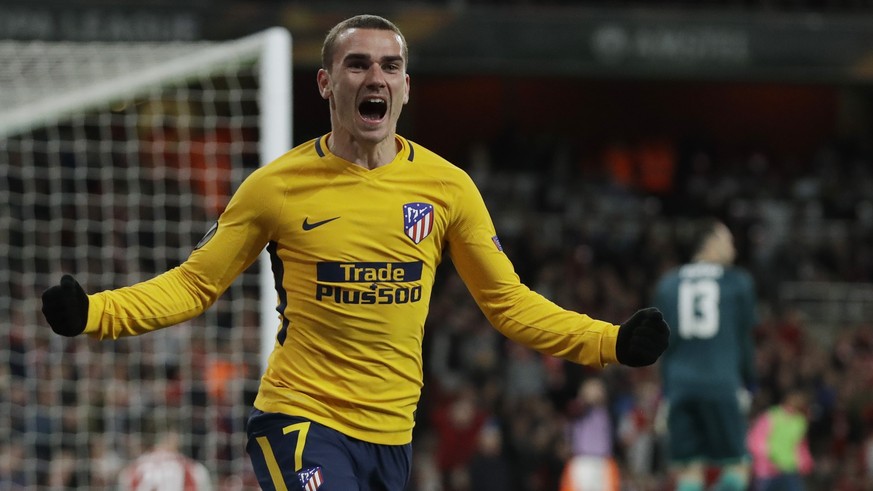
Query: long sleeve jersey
(354, 254)
(712, 310)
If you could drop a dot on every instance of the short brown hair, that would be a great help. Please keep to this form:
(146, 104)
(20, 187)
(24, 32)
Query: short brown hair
(692, 234)
(364, 21)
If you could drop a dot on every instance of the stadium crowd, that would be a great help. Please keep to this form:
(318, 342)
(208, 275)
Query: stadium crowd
(597, 243)
(493, 415)
(751, 5)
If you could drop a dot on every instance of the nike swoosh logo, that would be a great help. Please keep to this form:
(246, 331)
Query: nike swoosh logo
(310, 226)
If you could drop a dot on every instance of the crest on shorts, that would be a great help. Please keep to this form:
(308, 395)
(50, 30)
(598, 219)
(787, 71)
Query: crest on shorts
(311, 478)
(417, 220)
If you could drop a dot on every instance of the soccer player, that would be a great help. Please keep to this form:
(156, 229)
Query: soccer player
(165, 468)
(356, 222)
(711, 306)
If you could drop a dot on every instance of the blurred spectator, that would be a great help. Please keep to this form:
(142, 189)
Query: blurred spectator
(426, 475)
(525, 374)
(457, 424)
(779, 447)
(105, 463)
(165, 468)
(62, 471)
(642, 431)
(591, 466)
(490, 470)
(534, 443)
(12, 471)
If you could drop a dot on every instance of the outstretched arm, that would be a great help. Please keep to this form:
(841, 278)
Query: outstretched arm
(176, 295)
(530, 319)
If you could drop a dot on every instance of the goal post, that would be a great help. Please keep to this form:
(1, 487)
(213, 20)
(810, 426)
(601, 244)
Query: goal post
(276, 131)
(115, 158)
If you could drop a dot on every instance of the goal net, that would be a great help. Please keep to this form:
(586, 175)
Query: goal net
(115, 159)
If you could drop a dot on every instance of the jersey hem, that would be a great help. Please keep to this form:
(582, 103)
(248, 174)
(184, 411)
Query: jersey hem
(379, 438)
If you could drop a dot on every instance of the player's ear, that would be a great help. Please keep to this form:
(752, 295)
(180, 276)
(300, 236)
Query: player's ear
(406, 90)
(323, 80)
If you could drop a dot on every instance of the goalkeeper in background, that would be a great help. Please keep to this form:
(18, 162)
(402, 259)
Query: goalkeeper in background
(356, 223)
(709, 364)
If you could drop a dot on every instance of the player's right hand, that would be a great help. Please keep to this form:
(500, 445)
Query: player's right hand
(65, 307)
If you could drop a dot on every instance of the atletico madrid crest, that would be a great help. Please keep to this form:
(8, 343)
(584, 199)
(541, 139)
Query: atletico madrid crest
(311, 478)
(417, 220)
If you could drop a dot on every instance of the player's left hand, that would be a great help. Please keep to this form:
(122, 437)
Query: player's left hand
(642, 338)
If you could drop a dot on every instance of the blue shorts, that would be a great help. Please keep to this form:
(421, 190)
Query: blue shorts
(296, 454)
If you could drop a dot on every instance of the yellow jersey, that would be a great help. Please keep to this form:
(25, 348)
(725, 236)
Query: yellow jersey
(354, 254)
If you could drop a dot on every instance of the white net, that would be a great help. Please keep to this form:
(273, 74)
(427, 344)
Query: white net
(114, 161)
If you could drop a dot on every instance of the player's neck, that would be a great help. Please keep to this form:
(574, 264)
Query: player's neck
(365, 154)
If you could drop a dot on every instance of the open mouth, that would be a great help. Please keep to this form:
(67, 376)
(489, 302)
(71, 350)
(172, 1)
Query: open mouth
(373, 109)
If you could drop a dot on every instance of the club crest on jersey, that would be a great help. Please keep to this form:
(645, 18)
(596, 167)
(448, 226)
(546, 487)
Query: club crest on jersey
(417, 220)
(311, 478)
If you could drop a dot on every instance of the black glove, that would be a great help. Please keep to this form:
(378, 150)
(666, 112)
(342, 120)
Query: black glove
(642, 338)
(65, 307)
